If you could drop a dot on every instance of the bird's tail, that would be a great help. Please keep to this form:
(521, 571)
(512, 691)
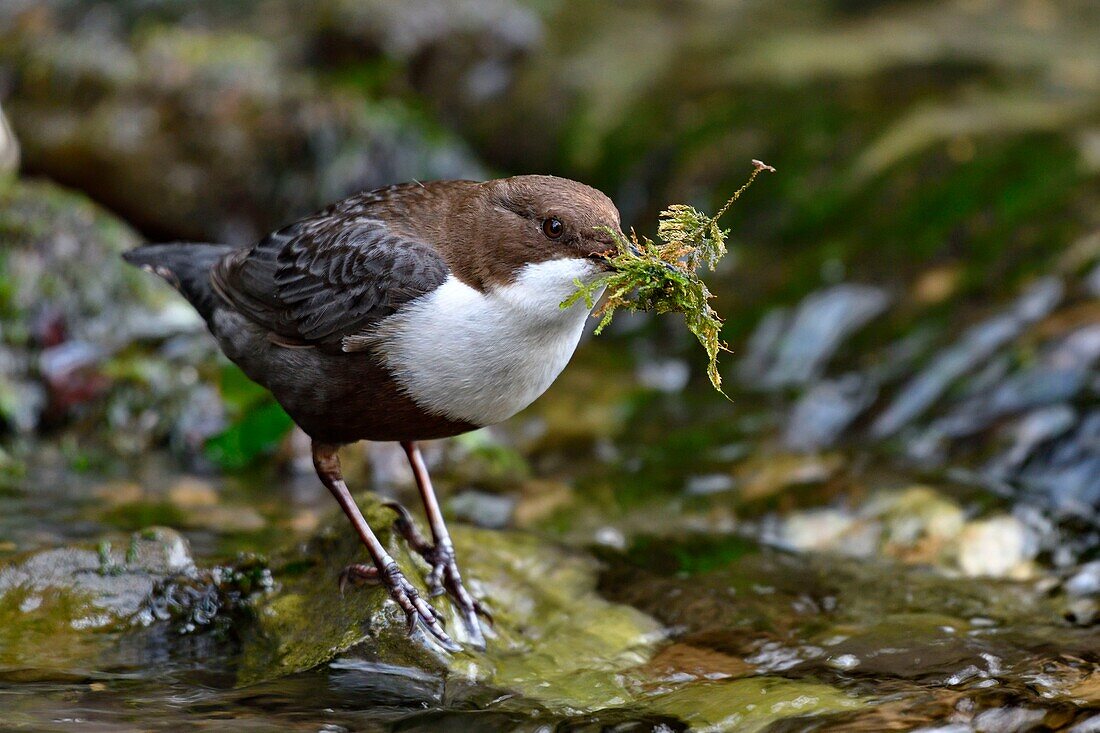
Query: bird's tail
(186, 266)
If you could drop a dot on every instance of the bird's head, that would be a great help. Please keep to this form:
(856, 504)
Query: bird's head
(550, 226)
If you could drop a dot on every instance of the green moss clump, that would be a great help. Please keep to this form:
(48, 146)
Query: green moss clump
(662, 275)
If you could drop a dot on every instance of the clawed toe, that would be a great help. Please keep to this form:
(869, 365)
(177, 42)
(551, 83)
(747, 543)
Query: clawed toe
(357, 575)
(416, 609)
(485, 613)
(470, 607)
(444, 576)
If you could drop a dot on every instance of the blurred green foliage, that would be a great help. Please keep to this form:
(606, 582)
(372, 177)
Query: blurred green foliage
(257, 422)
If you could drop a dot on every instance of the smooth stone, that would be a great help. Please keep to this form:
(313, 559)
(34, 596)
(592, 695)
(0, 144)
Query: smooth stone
(1085, 582)
(826, 410)
(1007, 720)
(819, 326)
(1031, 431)
(483, 509)
(977, 344)
(1089, 725)
(998, 547)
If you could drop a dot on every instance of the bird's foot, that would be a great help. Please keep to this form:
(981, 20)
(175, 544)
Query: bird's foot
(444, 576)
(405, 595)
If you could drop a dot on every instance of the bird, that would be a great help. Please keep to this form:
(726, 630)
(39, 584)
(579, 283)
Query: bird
(408, 313)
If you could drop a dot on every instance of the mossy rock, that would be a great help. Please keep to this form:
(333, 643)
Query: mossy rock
(556, 646)
(58, 248)
(752, 704)
(205, 134)
(58, 606)
(79, 327)
(552, 632)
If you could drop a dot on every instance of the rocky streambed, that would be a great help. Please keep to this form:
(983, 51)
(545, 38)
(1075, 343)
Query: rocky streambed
(892, 525)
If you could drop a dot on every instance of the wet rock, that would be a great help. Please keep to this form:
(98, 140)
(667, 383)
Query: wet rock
(1092, 282)
(821, 323)
(1064, 475)
(946, 728)
(919, 526)
(112, 583)
(762, 345)
(707, 484)
(51, 601)
(423, 25)
(23, 401)
(202, 415)
(666, 375)
(764, 476)
(388, 683)
(826, 410)
(1085, 582)
(677, 660)
(833, 530)
(976, 345)
(998, 547)
(1089, 725)
(900, 357)
(1039, 300)
(81, 333)
(751, 704)
(1081, 592)
(1031, 431)
(1060, 375)
(948, 656)
(1082, 611)
(72, 373)
(1007, 720)
(540, 499)
(459, 54)
(919, 522)
(827, 617)
(212, 135)
(491, 511)
(62, 259)
(554, 639)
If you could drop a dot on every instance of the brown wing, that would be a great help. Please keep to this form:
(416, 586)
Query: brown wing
(330, 275)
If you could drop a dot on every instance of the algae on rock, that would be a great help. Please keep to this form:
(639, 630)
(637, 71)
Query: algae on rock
(553, 638)
(53, 603)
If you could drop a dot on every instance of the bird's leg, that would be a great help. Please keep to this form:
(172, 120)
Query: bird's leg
(385, 570)
(440, 552)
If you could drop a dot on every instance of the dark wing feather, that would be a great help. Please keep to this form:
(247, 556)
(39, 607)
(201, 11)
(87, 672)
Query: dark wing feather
(329, 276)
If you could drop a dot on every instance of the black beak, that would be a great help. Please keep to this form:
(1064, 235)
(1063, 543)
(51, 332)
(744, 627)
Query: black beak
(601, 259)
(607, 248)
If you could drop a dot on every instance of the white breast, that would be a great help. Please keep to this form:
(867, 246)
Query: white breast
(483, 357)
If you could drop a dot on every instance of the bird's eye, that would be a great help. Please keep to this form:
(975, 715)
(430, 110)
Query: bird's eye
(553, 228)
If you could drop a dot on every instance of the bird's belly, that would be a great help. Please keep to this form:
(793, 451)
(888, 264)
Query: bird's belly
(477, 358)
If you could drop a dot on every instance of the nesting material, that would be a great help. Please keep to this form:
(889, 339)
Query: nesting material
(662, 276)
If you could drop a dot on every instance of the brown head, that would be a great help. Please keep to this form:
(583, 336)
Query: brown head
(491, 230)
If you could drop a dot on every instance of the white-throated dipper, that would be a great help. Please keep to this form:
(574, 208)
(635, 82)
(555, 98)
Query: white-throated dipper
(408, 313)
